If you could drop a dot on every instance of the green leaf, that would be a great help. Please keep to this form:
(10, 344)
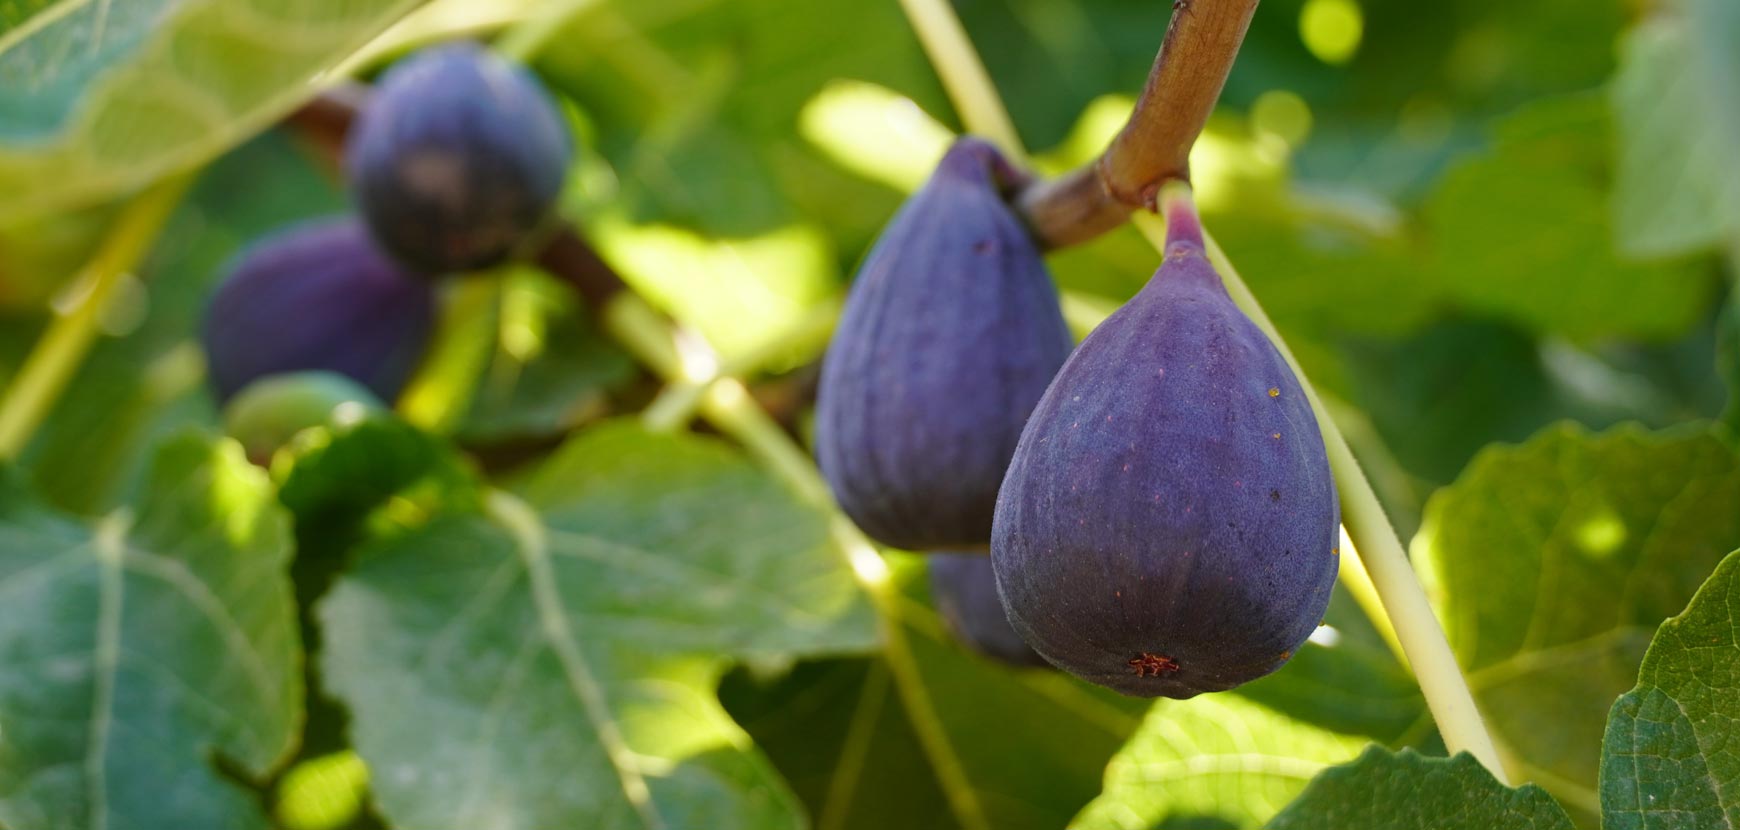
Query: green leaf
(1668, 761)
(1551, 562)
(98, 98)
(1676, 103)
(1214, 757)
(1409, 791)
(1522, 231)
(584, 630)
(142, 649)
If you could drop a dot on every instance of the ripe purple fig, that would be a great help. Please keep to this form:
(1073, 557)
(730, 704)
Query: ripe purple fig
(1169, 524)
(949, 337)
(965, 592)
(458, 160)
(318, 296)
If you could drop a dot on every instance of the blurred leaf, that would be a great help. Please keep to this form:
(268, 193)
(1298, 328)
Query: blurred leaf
(1441, 395)
(98, 98)
(143, 648)
(1211, 757)
(739, 293)
(1522, 231)
(1665, 761)
(1031, 743)
(1551, 562)
(1728, 360)
(549, 370)
(1408, 791)
(1677, 107)
(588, 637)
(147, 382)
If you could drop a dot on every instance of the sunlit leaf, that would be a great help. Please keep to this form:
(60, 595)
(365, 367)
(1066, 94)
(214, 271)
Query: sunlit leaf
(1408, 791)
(99, 97)
(141, 650)
(584, 630)
(1551, 563)
(1667, 762)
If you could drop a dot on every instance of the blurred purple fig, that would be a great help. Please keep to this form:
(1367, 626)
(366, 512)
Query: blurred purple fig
(458, 159)
(318, 296)
(964, 589)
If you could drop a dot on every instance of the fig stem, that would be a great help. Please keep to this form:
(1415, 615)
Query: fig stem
(62, 347)
(1386, 561)
(730, 408)
(963, 74)
(1202, 41)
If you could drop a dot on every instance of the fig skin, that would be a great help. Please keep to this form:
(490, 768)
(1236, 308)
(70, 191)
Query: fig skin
(458, 160)
(965, 592)
(317, 296)
(1169, 524)
(949, 337)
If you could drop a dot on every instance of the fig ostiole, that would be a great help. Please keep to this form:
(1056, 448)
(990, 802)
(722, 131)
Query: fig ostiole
(949, 336)
(318, 296)
(1168, 525)
(458, 160)
(965, 593)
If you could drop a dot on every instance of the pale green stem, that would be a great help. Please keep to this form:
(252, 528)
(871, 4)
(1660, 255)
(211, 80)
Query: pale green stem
(1404, 601)
(728, 406)
(62, 348)
(963, 74)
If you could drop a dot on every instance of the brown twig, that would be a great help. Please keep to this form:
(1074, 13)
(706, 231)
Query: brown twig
(1154, 147)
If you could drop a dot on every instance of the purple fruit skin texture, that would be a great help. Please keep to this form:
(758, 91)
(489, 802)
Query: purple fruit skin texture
(459, 158)
(948, 339)
(1164, 502)
(965, 592)
(318, 296)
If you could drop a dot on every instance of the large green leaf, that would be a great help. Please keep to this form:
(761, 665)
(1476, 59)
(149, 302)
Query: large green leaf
(99, 97)
(142, 650)
(1676, 100)
(1669, 762)
(1409, 791)
(1523, 231)
(1213, 757)
(1551, 562)
(584, 630)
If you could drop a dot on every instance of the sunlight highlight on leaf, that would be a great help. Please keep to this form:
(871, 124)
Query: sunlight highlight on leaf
(875, 132)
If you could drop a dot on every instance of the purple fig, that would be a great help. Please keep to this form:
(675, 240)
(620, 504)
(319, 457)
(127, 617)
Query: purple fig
(458, 160)
(948, 339)
(318, 296)
(965, 592)
(1169, 524)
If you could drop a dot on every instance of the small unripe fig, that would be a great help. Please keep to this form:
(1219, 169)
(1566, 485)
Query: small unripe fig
(965, 592)
(318, 296)
(269, 412)
(1169, 525)
(948, 339)
(458, 159)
